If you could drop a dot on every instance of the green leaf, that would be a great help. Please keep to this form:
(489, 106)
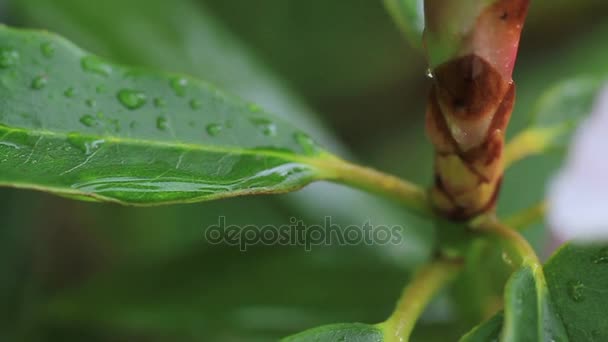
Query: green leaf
(409, 15)
(529, 313)
(77, 125)
(184, 35)
(354, 332)
(569, 308)
(558, 113)
(578, 281)
(487, 331)
(555, 119)
(564, 107)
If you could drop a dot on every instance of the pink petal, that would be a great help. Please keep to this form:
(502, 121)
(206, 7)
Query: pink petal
(578, 195)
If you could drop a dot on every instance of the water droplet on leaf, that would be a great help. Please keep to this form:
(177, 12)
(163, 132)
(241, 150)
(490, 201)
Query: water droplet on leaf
(576, 290)
(267, 127)
(159, 103)
(90, 102)
(96, 65)
(602, 256)
(179, 84)
(88, 120)
(85, 145)
(162, 123)
(8, 57)
(214, 129)
(47, 49)
(131, 99)
(69, 92)
(307, 144)
(195, 104)
(39, 82)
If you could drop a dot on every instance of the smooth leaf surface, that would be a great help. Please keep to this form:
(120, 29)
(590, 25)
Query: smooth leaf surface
(409, 15)
(354, 332)
(77, 125)
(529, 312)
(578, 281)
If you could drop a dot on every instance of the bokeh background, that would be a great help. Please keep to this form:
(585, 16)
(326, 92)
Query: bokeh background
(72, 271)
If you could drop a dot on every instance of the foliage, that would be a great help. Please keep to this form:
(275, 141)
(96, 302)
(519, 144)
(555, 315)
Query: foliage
(84, 127)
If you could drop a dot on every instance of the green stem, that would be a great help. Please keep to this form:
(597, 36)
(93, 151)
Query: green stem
(513, 240)
(527, 217)
(416, 296)
(406, 193)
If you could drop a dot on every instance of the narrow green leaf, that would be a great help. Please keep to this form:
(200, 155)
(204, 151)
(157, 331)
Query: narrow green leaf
(564, 107)
(409, 15)
(558, 113)
(74, 124)
(353, 332)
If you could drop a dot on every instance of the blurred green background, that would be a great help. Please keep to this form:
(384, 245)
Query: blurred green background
(340, 69)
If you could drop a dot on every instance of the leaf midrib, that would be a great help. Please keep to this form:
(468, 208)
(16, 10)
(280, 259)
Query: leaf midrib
(312, 161)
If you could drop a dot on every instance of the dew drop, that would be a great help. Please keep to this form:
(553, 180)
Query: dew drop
(267, 127)
(131, 99)
(506, 258)
(214, 129)
(8, 57)
(195, 104)
(159, 103)
(179, 84)
(576, 290)
(69, 93)
(162, 123)
(39, 82)
(96, 65)
(47, 49)
(83, 144)
(88, 120)
(90, 103)
(602, 256)
(306, 143)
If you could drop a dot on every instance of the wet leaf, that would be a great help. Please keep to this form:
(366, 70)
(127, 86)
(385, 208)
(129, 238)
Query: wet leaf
(568, 308)
(79, 126)
(339, 332)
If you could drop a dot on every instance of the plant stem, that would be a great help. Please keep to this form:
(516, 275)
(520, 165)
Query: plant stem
(416, 296)
(527, 217)
(406, 193)
(515, 242)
